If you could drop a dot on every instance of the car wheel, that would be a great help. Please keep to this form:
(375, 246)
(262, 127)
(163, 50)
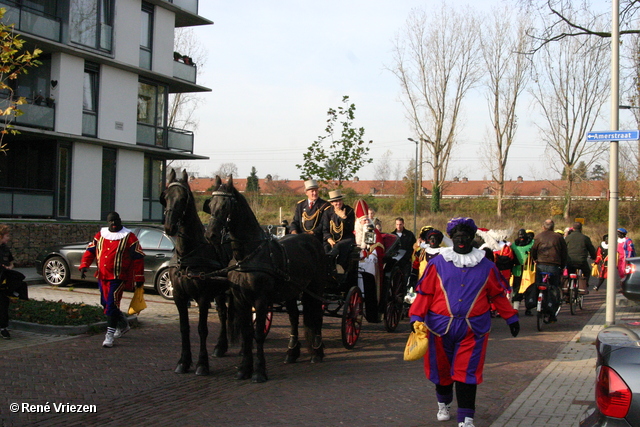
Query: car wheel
(164, 285)
(56, 271)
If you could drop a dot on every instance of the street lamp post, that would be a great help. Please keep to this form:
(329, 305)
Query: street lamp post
(415, 188)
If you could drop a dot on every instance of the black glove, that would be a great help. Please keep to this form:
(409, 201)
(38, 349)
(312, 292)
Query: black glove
(412, 325)
(83, 273)
(515, 328)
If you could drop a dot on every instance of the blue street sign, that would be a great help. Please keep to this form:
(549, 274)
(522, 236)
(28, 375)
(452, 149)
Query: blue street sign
(614, 135)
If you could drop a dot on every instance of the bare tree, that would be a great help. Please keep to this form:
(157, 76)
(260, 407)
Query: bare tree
(571, 86)
(630, 76)
(571, 18)
(436, 60)
(382, 169)
(507, 76)
(226, 169)
(182, 106)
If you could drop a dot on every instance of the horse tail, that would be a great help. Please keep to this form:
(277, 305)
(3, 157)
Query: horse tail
(234, 326)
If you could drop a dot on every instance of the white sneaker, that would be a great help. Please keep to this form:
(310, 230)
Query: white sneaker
(468, 422)
(443, 412)
(120, 332)
(108, 340)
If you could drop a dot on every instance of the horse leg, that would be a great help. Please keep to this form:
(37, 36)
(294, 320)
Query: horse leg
(293, 348)
(223, 342)
(202, 367)
(260, 364)
(184, 364)
(244, 322)
(313, 327)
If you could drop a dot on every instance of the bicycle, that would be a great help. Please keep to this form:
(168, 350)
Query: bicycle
(574, 296)
(543, 313)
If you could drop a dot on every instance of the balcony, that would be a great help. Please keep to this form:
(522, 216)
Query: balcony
(188, 5)
(31, 21)
(33, 115)
(180, 140)
(184, 72)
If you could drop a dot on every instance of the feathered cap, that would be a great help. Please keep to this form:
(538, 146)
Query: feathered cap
(361, 209)
(454, 222)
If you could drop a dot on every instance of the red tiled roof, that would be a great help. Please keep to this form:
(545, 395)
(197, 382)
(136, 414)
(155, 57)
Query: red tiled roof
(458, 188)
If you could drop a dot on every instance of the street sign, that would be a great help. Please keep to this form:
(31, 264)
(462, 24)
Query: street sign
(614, 135)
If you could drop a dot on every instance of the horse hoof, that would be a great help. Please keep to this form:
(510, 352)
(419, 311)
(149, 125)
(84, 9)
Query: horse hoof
(316, 358)
(293, 354)
(259, 378)
(181, 368)
(219, 352)
(242, 376)
(202, 370)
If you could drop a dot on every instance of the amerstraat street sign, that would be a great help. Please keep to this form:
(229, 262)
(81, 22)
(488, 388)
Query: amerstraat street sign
(614, 135)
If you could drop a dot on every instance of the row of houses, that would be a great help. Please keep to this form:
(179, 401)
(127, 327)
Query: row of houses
(456, 188)
(94, 134)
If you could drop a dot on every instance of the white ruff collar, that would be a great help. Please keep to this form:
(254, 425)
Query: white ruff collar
(118, 235)
(431, 250)
(604, 245)
(471, 259)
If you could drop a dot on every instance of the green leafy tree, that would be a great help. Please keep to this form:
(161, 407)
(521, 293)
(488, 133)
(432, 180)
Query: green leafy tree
(14, 60)
(253, 185)
(331, 158)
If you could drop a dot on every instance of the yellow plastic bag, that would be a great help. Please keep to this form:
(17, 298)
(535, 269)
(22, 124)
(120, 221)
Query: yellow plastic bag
(417, 343)
(137, 302)
(528, 275)
(594, 270)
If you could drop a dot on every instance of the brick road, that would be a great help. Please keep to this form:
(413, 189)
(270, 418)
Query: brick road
(133, 383)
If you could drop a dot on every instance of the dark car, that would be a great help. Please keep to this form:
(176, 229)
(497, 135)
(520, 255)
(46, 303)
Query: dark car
(617, 379)
(59, 264)
(631, 281)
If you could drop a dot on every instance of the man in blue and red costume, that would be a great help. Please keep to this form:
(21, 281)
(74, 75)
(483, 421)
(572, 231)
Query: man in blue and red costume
(120, 264)
(453, 300)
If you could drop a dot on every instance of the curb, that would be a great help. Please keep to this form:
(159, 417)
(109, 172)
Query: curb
(62, 330)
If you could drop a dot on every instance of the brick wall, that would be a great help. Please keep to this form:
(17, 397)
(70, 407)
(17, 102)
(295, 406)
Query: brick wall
(29, 238)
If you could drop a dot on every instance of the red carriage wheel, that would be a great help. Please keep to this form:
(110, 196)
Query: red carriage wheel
(352, 318)
(395, 300)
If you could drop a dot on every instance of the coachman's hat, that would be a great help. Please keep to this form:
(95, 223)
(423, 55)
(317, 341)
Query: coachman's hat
(335, 195)
(310, 184)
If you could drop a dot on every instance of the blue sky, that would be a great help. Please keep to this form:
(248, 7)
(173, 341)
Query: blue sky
(275, 68)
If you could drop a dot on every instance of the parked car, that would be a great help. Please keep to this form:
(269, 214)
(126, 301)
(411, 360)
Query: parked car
(617, 379)
(631, 281)
(59, 264)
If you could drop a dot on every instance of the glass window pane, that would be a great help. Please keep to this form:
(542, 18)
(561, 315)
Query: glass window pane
(149, 239)
(147, 95)
(84, 22)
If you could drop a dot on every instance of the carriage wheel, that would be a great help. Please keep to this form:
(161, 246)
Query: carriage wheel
(352, 318)
(395, 300)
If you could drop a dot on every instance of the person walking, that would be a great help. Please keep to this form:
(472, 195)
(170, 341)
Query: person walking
(307, 217)
(120, 261)
(453, 300)
(549, 251)
(521, 248)
(12, 283)
(602, 259)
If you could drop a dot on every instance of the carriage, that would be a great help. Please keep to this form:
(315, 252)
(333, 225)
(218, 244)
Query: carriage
(359, 293)
(376, 297)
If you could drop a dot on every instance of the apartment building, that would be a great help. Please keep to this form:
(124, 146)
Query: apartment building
(94, 136)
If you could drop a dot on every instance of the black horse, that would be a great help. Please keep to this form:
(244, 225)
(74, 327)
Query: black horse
(266, 271)
(191, 278)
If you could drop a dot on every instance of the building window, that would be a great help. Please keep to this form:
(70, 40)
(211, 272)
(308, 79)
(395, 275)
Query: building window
(152, 114)
(108, 197)
(64, 180)
(91, 23)
(153, 185)
(90, 99)
(28, 180)
(146, 35)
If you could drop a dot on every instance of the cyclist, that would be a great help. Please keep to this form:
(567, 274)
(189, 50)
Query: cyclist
(549, 251)
(579, 247)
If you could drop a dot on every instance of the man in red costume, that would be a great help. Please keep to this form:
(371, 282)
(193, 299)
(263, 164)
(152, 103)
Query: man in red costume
(120, 263)
(453, 300)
